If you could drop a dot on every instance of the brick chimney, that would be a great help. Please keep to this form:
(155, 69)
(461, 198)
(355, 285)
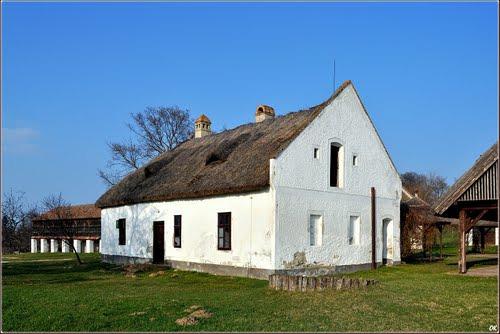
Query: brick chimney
(202, 127)
(263, 112)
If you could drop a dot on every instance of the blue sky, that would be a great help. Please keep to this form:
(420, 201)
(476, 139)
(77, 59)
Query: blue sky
(72, 74)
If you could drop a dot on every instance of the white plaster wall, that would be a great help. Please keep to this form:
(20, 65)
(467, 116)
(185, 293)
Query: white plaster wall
(77, 244)
(252, 230)
(89, 246)
(44, 246)
(53, 245)
(302, 187)
(34, 246)
(64, 246)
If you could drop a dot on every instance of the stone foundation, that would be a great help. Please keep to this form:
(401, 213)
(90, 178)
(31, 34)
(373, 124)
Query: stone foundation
(304, 283)
(121, 259)
(225, 270)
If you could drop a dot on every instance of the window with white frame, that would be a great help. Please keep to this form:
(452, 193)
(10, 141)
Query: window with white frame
(315, 230)
(354, 230)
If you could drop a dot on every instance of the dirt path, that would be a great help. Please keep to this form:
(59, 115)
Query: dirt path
(486, 271)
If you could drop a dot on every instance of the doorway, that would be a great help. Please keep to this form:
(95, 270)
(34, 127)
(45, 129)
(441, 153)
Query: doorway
(387, 248)
(158, 242)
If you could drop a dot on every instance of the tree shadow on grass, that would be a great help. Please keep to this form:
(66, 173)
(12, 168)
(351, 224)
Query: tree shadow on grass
(477, 262)
(56, 271)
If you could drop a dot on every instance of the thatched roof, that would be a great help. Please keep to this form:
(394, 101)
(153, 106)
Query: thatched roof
(485, 162)
(232, 161)
(417, 202)
(82, 211)
(405, 195)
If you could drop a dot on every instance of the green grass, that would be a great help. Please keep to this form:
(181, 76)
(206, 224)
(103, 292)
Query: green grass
(63, 296)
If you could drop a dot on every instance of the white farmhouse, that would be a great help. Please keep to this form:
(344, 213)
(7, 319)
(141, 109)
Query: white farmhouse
(311, 192)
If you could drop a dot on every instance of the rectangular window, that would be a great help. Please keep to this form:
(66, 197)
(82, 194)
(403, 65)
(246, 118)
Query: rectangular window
(224, 231)
(120, 225)
(334, 166)
(315, 230)
(354, 230)
(177, 231)
(316, 153)
(354, 160)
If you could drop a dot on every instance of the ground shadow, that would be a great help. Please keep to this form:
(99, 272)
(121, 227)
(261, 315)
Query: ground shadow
(477, 262)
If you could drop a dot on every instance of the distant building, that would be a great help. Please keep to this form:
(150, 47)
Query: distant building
(415, 214)
(312, 192)
(80, 225)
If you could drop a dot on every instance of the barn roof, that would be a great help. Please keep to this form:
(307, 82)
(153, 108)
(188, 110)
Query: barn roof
(81, 211)
(478, 183)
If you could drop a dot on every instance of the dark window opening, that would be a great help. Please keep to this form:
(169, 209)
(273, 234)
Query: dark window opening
(334, 165)
(120, 225)
(177, 231)
(316, 153)
(354, 160)
(224, 231)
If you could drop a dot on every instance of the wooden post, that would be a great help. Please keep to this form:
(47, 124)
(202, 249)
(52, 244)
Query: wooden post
(475, 240)
(462, 261)
(482, 237)
(374, 229)
(440, 227)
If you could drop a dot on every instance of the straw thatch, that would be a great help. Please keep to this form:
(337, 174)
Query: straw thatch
(233, 161)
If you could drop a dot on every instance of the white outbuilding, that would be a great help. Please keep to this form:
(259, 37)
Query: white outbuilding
(312, 192)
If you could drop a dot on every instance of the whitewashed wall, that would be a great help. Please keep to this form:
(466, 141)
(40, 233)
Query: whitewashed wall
(252, 230)
(302, 188)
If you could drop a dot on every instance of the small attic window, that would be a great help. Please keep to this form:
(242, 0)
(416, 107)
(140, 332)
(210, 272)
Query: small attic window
(354, 159)
(316, 153)
(213, 158)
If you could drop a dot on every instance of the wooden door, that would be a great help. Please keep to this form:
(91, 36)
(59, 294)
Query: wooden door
(158, 242)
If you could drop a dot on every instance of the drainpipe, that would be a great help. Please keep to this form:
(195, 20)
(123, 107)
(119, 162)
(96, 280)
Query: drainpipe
(374, 230)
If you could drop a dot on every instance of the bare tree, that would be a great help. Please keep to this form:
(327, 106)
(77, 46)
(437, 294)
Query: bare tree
(154, 131)
(60, 219)
(16, 221)
(429, 187)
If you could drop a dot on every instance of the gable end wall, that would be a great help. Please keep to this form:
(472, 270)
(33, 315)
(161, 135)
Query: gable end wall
(302, 188)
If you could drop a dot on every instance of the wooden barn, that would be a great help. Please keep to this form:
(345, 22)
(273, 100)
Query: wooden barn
(473, 199)
(76, 227)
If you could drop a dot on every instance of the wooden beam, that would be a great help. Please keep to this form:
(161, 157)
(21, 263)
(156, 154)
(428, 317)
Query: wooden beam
(479, 207)
(462, 261)
(473, 221)
(440, 228)
(482, 241)
(374, 229)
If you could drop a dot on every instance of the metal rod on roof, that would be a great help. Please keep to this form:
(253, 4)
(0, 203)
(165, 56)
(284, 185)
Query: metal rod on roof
(334, 75)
